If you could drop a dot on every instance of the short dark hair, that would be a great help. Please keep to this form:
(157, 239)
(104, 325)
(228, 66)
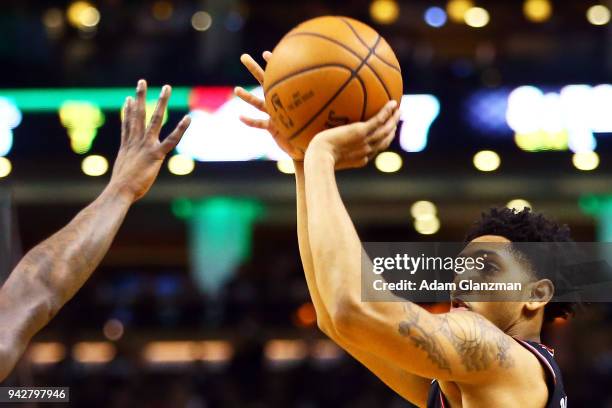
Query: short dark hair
(525, 226)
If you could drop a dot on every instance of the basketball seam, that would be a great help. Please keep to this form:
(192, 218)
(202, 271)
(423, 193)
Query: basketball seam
(365, 98)
(354, 74)
(324, 37)
(302, 71)
(370, 53)
(373, 51)
(361, 40)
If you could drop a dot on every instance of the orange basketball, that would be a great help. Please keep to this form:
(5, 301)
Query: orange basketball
(326, 72)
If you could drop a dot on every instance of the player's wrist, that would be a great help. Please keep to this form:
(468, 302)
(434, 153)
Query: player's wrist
(121, 191)
(321, 152)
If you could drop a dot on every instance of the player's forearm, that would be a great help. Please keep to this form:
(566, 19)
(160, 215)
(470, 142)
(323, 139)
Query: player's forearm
(335, 245)
(52, 272)
(323, 319)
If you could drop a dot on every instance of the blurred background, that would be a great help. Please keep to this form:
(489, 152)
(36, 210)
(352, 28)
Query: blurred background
(201, 301)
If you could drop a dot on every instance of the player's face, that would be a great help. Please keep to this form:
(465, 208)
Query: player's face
(501, 264)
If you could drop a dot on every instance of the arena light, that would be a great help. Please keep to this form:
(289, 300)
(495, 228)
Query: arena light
(171, 352)
(486, 160)
(5, 167)
(537, 11)
(417, 114)
(181, 165)
(82, 120)
(427, 226)
(10, 118)
(388, 162)
(94, 352)
(305, 315)
(206, 138)
(52, 99)
(82, 15)
(559, 120)
(46, 352)
(53, 19)
(325, 350)
(435, 17)
(518, 204)
(216, 351)
(201, 21)
(423, 209)
(94, 165)
(285, 166)
(585, 161)
(285, 350)
(456, 9)
(113, 329)
(598, 15)
(162, 10)
(476, 17)
(384, 11)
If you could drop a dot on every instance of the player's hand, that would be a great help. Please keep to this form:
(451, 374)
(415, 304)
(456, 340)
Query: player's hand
(258, 73)
(142, 153)
(354, 145)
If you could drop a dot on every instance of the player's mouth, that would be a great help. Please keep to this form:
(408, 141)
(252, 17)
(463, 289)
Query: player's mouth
(458, 304)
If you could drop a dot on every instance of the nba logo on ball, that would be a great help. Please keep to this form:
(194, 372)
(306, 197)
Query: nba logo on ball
(327, 72)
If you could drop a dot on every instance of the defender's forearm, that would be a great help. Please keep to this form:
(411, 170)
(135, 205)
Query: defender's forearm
(53, 271)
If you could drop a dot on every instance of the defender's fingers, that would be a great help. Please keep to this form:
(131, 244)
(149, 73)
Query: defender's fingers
(160, 109)
(382, 131)
(255, 123)
(127, 116)
(250, 98)
(174, 138)
(253, 67)
(267, 55)
(139, 108)
(381, 117)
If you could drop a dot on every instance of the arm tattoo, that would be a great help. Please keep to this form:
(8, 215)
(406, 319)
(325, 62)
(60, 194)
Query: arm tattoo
(423, 338)
(477, 342)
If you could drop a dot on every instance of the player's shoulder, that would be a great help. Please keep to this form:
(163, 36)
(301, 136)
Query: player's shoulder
(485, 349)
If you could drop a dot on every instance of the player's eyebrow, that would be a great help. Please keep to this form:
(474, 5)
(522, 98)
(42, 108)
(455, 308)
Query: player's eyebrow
(486, 253)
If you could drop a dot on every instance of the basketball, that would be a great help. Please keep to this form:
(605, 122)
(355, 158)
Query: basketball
(327, 72)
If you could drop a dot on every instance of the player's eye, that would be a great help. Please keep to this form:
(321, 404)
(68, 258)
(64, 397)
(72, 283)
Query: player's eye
(490, 268)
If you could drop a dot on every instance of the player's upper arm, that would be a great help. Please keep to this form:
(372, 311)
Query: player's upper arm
(408, 385)
(461, 346)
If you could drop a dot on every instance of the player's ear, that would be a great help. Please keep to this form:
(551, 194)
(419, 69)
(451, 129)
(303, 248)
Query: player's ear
(541, 293)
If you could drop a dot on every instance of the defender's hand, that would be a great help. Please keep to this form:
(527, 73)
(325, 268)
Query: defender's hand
(266, 124)
(142, 153)
(356, 144)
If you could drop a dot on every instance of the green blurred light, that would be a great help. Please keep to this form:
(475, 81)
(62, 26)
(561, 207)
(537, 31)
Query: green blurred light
(589, 204)
(44, 100)
(182, 208)
(220, 239)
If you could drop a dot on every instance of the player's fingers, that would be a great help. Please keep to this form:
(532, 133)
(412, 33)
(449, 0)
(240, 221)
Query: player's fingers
(174, 138)
(381, 132)
(160, 109)
(255, 123)
(253, 67)
(127, 116)
(267, 55)
(137, 125)
(250, 98)
(383, 144)
(381, 117)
